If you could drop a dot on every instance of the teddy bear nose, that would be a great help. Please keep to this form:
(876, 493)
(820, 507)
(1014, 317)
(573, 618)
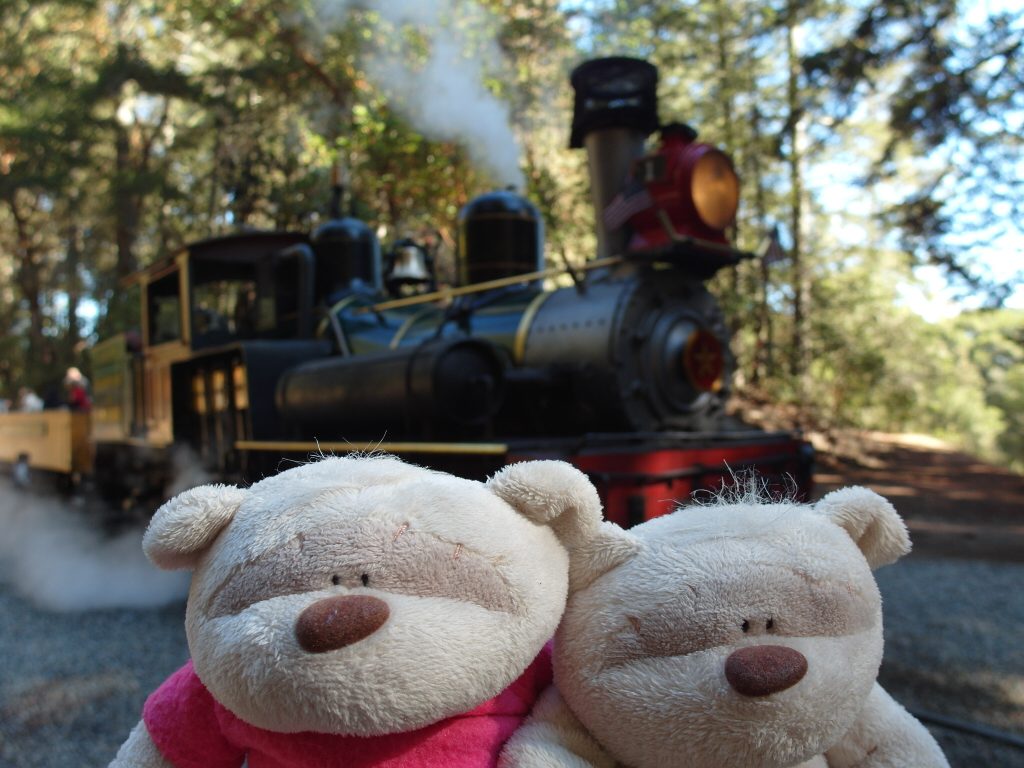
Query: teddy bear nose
(335, 622)
(760, 670)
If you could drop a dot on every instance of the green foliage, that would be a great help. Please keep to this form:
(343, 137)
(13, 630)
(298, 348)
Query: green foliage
(991, 345)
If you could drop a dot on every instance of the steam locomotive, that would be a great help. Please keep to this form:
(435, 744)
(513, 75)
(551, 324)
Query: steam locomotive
(259, 346)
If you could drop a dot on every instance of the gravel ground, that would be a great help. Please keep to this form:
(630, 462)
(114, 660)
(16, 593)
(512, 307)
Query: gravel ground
(953, 647)
(72, 684)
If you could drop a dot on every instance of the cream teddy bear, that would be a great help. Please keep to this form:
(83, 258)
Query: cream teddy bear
(361, 612)
(736, 634)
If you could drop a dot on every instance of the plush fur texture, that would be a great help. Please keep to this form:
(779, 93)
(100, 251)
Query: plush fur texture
(741, 633)
(465, 583)
(138, 751)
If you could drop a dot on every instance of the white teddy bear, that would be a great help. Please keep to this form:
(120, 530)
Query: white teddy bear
(361, 612)
(736, 634)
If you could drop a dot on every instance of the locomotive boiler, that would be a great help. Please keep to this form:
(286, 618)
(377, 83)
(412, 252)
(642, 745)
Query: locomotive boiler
(260, 346)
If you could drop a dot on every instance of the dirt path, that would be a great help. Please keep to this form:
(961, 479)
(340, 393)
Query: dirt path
(954, 504)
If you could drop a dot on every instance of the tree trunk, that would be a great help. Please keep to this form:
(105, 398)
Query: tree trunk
(725, 98)
(798, 352)
(764, 364)
(72, 260)
(126, 210)
(29, 279)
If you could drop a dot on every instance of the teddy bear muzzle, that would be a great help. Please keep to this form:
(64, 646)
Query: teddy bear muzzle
(761, 670)
(335, 622)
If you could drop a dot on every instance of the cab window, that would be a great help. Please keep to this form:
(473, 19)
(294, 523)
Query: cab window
(164, 310)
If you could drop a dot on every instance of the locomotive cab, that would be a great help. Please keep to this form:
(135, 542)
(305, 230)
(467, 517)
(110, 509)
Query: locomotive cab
(206, 312)
(227, 289)
(217, 293)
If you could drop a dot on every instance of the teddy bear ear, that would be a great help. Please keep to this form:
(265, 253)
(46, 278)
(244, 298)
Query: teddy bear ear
(556, 493)
(608, 548)
(552, 493)
(187, 524)
(871, 521)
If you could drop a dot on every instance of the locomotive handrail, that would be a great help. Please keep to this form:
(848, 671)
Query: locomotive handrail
(331, 318)
(487, 285)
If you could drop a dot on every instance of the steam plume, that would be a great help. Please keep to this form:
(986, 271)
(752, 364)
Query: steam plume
(445, 97)
(53, 552)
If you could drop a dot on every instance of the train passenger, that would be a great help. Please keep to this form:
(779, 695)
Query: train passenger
(75, 385)
(246, 315)
(29, 401)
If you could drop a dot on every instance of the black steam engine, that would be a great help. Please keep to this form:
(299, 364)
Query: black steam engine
(637, 344)
(258, 346)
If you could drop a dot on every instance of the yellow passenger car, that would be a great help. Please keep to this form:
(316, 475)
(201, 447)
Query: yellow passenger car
(54, 441)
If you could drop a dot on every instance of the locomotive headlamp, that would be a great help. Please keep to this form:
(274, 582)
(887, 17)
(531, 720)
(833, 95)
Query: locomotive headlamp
(685, 194)
(715, 189)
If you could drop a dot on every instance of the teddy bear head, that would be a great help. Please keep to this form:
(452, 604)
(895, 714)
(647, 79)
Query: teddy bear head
(365, 596)
(738, 633)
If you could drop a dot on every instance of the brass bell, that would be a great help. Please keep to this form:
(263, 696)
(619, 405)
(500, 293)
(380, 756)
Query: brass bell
(409, 264)
(409, 269)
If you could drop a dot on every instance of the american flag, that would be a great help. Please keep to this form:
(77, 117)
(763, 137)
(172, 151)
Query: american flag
(628, 203)
(773, 252)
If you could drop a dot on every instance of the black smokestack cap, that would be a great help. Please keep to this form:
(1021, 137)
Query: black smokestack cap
(616, 92)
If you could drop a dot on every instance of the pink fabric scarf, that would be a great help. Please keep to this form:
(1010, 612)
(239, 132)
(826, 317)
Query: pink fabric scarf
(192, 730)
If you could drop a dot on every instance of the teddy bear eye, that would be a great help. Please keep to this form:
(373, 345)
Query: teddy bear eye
(337, 579)
(746, 626)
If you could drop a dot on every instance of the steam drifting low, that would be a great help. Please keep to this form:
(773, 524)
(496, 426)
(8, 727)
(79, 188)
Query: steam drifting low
(53, 551)
(52, 554)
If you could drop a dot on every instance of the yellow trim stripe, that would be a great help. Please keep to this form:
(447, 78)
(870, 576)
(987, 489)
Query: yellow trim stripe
(519, 345)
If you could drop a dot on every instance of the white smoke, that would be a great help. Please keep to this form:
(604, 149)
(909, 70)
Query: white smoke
(54, 552)
(444, 96)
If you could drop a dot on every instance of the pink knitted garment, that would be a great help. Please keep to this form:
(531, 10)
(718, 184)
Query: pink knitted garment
(192, 730)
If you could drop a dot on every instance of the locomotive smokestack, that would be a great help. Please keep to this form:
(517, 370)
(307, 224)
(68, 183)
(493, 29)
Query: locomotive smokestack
(616, 109)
